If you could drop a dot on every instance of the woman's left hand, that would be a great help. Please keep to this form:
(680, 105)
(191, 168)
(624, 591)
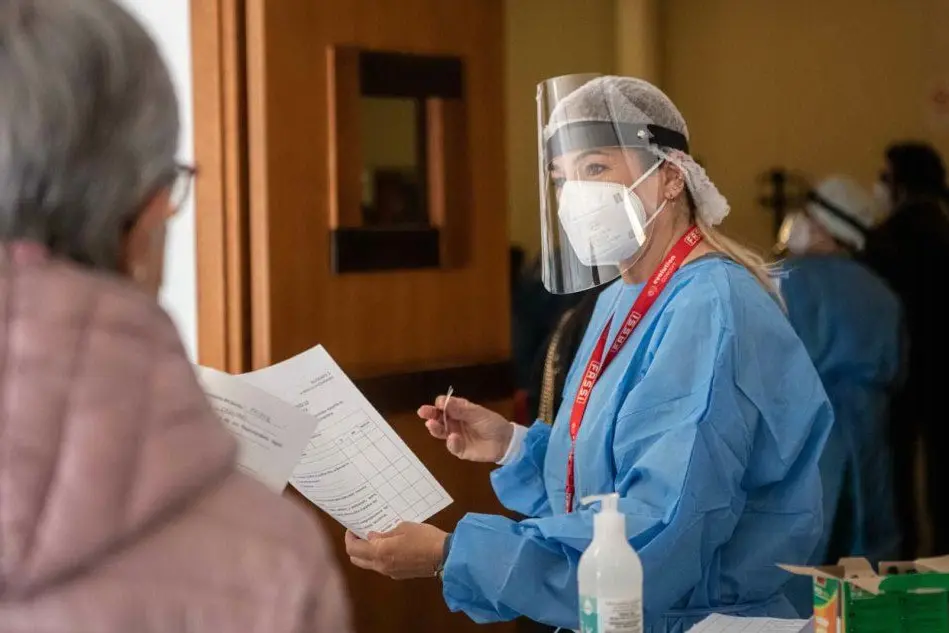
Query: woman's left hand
(411, 550)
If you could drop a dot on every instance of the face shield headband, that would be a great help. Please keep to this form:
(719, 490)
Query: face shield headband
(585, 135)
(837, 212)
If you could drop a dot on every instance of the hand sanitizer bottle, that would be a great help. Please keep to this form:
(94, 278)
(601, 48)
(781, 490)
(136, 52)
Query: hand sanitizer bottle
(610, 576)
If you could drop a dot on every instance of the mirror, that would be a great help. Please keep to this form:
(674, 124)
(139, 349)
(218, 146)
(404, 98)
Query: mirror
(398, 159)
(393, 162)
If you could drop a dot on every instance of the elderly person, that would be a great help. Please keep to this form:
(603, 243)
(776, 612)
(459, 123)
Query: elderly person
(121, 508)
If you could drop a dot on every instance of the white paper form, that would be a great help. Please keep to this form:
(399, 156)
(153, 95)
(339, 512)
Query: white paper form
(271, 433)
(718, 623)
(355, 467)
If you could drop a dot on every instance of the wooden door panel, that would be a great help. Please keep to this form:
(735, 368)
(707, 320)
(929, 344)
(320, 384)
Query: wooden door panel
(372, 323)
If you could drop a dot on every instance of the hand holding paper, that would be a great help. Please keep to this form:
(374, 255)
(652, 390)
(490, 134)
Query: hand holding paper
(412, 550)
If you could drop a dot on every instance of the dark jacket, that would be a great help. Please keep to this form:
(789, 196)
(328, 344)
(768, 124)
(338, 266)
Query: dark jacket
(552, 362)
(911, 252)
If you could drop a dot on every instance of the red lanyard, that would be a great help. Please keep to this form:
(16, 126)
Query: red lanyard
(597, 364)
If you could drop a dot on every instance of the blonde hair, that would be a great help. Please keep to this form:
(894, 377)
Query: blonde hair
(762, 271)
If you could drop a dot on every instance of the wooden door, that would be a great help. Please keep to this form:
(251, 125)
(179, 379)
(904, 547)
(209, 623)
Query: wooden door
(284, 209)
(373, 323)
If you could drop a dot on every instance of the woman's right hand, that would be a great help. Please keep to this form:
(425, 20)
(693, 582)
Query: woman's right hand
(471, 432)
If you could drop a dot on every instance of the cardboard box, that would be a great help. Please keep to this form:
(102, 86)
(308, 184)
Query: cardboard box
(905, 597)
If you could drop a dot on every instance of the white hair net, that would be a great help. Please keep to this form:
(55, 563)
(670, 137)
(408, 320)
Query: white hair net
(625, 100)
(849, 200)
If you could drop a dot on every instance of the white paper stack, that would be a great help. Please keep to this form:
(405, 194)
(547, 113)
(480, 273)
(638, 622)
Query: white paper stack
(718, 623)
(304, 420)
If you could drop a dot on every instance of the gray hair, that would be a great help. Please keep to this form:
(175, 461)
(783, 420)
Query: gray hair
(88, 126)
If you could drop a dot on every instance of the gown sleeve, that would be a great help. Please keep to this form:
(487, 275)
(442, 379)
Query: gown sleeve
(519, 486)
(681, 446)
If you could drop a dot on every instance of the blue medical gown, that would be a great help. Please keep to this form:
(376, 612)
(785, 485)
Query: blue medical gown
(851, 324)
(709, 424)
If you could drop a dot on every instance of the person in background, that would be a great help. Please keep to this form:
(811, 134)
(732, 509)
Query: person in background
(829, 296)
(690, 395)
(517, 259)
(910, 250)
(535, 314)
(121, 506)
(556, 355)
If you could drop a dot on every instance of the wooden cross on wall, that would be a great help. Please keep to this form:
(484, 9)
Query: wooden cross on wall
(784, 191)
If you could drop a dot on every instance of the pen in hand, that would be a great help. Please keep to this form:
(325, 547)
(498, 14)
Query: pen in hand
(450, 427)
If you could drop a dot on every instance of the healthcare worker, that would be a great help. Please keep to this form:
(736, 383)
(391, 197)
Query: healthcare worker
(690, 394)
(829, 298)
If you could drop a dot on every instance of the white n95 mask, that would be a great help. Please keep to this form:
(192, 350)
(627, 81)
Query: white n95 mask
(605, 222)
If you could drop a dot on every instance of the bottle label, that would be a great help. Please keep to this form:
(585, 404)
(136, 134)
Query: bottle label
(588, 615)
(610, 616)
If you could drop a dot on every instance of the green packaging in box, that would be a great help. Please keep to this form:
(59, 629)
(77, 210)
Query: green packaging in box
(865, 612)
(851, 597)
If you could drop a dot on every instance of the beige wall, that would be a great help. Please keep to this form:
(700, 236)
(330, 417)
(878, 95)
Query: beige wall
(545, 38)
(816, 85)
(638, 36)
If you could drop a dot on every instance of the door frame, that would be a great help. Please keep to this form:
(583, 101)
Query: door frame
(221, 191)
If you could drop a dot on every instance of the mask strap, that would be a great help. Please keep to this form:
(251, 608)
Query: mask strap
(649, 172)
(641, 231)
(664, 203)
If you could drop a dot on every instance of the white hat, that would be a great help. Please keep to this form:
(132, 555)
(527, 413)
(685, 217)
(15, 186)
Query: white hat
(844, 209)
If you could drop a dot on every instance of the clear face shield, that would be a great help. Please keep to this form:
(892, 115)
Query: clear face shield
(599, 186)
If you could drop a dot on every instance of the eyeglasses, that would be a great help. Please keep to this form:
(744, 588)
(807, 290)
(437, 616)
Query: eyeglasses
(182, 182)
(178, 183)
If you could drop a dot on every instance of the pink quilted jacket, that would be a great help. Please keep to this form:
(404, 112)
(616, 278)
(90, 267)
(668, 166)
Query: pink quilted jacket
(120, 506)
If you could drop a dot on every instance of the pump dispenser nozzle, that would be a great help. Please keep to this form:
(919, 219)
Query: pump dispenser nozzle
(608, 502)
(609, 522)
